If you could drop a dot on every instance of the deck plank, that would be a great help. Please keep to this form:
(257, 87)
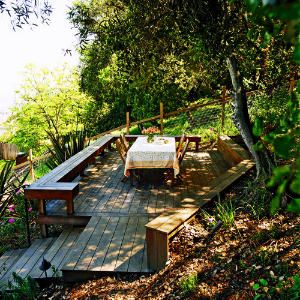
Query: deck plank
(8, 259)
(34, 259)
(80, 244)
(115, 245)
(102, 247)
(122, 260)
(87, 255)
(137, 252)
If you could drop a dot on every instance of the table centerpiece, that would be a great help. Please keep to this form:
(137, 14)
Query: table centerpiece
(150, 132)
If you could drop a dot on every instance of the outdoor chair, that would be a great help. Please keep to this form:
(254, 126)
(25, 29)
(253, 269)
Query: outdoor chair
(124, 141)
(122, 150)
(180, 145)
(121, 147)
(181, 156)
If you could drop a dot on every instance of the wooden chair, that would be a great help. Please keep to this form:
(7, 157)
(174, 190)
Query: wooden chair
(122, 150)
(182, 153)
(181, 156)
(182, 139)
(124, 141)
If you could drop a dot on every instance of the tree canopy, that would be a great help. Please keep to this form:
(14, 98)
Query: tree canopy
(50, 101)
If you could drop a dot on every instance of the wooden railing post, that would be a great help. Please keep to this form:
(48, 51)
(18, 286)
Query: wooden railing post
(161, 116)
(31, 170)
(127, 122)
(223, 99)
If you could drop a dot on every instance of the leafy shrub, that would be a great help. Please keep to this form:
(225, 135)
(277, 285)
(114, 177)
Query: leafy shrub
(20, 289)
(64, 147)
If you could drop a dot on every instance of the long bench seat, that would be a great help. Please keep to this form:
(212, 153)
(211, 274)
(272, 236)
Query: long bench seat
(57, 183)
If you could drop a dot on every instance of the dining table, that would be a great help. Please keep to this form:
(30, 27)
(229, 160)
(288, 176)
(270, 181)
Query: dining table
(157, 154)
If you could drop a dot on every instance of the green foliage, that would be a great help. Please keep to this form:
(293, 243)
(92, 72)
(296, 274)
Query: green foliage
(64, 147)
(226, 213)
(51, 100)
(5, 176)
(294, 291)
(285, 142)
(189, 284)
(266, 110)
(21, 288)
(13, 223)
(277, 288)
(41, 169)
(136, 58)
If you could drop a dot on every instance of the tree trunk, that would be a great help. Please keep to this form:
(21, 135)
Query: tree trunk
(262, 159)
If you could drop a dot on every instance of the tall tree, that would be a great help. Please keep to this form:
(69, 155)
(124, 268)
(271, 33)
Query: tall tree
(50, 101)
(143, 33)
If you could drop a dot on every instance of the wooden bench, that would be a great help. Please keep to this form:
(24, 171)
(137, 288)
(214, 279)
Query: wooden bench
(56, 184)
(192, 139)
(159, 232)
(161, 229)
(231, 151)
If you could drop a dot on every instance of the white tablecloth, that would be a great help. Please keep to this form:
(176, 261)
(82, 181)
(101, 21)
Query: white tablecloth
(161, 153)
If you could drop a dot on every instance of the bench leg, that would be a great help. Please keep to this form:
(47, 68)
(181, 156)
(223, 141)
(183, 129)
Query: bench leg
(162, 249)
(157, 249)
(70, 207)
(197, 146)
(42, 212)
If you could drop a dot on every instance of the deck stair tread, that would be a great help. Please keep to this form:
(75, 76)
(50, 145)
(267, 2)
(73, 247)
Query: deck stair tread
(8, 259)
(26, 262)
(28, 259)
(57, 253)
(109, 244)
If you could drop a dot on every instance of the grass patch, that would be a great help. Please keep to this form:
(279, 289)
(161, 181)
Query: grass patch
(189, 284)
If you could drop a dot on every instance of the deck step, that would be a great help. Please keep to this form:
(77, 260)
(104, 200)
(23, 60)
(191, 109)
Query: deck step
(8, 259)
(27, 260)
(108, 244)
(57, 253)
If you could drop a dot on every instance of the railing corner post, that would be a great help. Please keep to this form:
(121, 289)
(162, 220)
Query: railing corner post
(161, 115)
(127, 122)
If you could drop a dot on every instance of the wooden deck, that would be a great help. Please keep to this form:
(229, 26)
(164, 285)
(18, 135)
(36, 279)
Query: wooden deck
(113, 239)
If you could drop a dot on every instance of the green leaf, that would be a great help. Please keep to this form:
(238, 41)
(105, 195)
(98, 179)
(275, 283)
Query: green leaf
(263, 282)
(294, 206)
(295, 185)
(256, 286)
(258, 146)
(256, 297)
(278, 174)
(275, 203)
(258, 127)
(283, 145)
(296, 55)
(252, 4)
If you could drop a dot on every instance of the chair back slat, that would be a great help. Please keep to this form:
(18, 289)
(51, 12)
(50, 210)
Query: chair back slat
(180, 145)
(121, 149)
(182, 154)
(124, 141)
